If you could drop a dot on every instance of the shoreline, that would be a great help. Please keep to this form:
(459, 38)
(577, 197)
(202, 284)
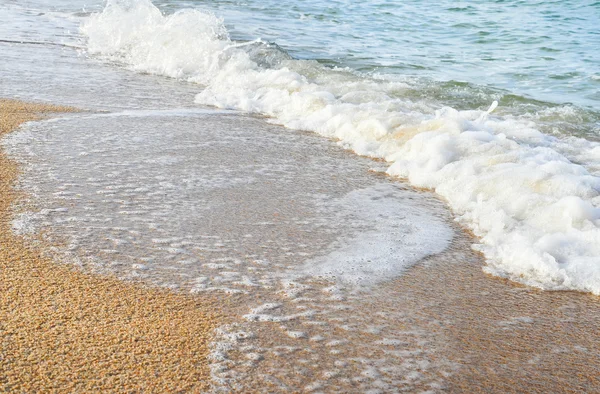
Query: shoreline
(65, 330)
(54, 320)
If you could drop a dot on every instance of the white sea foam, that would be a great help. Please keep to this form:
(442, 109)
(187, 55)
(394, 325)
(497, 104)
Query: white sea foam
(532, 200)
(403, 233)
(23, 224)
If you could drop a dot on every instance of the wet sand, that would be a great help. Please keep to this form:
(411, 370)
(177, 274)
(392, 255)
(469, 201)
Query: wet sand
(67, 331)
(505, 338)
(96, 333)
(483, 334)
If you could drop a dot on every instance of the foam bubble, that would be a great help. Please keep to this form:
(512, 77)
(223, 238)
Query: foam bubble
(23, 224)
(401, 234)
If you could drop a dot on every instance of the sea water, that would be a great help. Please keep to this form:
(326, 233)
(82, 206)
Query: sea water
(182, 175)
(528, 189)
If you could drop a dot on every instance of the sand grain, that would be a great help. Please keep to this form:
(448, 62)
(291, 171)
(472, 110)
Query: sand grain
(67, 331)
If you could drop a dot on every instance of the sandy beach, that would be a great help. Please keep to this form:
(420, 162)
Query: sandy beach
(322, 197)
(66, 331)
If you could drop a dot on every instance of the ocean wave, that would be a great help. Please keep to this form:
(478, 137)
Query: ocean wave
(531, 198)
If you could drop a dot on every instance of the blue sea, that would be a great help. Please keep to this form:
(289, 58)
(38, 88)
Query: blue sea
(461, 53)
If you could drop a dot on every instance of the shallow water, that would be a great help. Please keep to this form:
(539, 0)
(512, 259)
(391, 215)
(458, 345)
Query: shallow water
(299, 230)
(166, 195)
(514, 174)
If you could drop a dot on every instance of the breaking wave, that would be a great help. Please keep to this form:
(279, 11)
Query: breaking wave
(532, 199)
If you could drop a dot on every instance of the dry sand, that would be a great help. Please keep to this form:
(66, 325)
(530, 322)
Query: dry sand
(66, 331)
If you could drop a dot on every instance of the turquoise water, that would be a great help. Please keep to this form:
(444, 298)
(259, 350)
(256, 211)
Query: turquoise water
(461, 52)
(543, 50)
(528, 55)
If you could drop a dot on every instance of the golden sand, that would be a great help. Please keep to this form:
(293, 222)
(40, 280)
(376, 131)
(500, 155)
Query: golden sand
(67, 331)
(504, 337)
